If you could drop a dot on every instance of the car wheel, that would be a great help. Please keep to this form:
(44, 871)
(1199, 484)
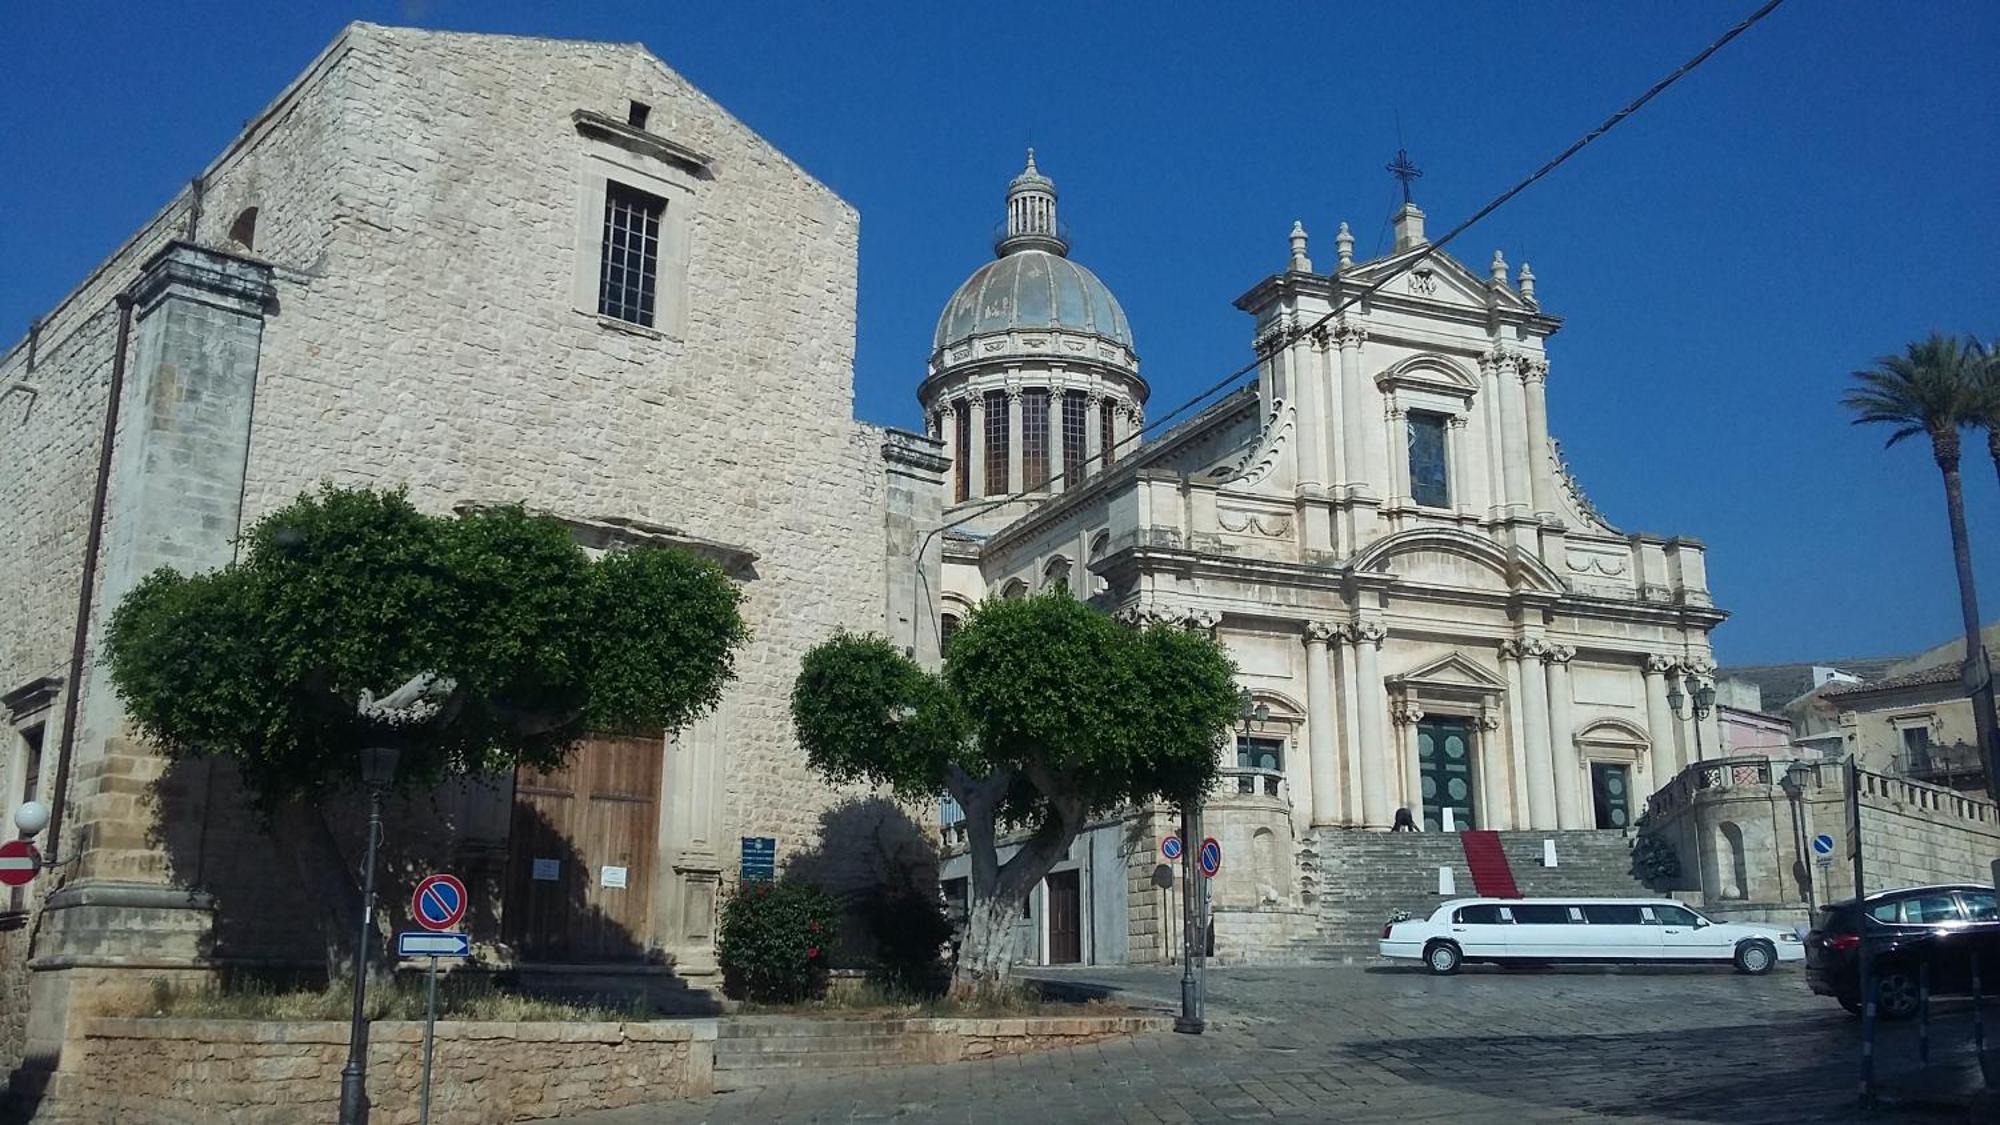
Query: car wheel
(1442, 958)
(1756, 958)
(1896, 993)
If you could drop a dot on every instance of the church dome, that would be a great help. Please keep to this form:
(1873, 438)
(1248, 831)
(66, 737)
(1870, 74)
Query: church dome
(1032, 289)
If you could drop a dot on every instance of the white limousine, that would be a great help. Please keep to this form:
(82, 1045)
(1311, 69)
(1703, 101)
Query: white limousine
(1545, 930)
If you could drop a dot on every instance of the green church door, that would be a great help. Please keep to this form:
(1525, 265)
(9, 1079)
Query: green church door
(1444, 769)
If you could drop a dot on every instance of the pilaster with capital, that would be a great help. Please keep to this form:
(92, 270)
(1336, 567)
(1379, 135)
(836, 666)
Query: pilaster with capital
(1016, 476)
(1321, 719)
(1093, 433)
(1541, 766)
(1519, 495)
(1541, 465)
(1349, 335)
(1663, 758)
(1562, 739)
(1375, 752)
(1058, 480)
(1395, 420)
(1458, 458)
(976, 483)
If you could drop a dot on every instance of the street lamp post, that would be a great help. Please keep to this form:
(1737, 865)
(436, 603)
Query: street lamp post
(378, 769)
(1194, 893)
(1702, 695)
(1793, 783)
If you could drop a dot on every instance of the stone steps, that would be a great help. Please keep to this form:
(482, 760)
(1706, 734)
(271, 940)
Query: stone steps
(1362, 878)
(753, 1050)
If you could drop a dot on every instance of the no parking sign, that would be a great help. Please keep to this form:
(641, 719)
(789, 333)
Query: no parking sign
(439, 903)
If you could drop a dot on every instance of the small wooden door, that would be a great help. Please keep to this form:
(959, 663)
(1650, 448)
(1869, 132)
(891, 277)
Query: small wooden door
(1065, 918)
(580, 870)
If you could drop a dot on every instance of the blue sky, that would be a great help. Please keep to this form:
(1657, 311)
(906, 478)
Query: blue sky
(1821, 192)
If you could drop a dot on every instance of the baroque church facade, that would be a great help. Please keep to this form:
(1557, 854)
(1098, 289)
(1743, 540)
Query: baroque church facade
(1426, 611)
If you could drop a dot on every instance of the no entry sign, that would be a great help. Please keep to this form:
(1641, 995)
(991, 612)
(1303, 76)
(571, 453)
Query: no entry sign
(439, 903)
(19, 863)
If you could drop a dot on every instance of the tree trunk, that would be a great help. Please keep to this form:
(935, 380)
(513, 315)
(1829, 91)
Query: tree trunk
(1944, 447)
(998, 891)
(329, 880)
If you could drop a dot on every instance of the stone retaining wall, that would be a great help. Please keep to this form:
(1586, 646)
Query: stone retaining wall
(242, 1071)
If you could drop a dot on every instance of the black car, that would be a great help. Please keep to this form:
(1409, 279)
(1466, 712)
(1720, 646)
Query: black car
(1948, 926)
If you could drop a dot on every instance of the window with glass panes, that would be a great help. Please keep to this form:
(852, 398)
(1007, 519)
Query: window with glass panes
(996, 444)
(962, 427)
(1075, 428)
(1428, 469)
(1035, 438)
(1254, 753)
(1104, 432)
(629, 271)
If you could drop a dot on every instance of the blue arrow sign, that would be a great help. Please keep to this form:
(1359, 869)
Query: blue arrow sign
(1823, 844)
(424, 943)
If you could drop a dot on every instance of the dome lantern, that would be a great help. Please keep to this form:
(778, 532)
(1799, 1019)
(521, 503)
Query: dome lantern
(1031, 214)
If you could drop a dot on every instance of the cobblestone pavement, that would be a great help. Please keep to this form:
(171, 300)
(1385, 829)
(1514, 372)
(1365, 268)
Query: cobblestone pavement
(1377, 1044)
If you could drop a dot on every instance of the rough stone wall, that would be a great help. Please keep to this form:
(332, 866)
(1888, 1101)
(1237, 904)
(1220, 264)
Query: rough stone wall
(435, 345)
(244, 1072)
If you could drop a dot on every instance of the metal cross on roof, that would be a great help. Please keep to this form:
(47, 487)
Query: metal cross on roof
(1406, 171)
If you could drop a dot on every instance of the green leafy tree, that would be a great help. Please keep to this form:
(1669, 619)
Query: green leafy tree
(1047, 714)
(346, 592)
(1935, 388)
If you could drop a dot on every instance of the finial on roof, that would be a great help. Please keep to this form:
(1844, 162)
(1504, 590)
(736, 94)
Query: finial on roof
(1031, 214)
(1527, 284)
(1344, 242)
(1499, 268)
(1031, 158)
(1300, 263)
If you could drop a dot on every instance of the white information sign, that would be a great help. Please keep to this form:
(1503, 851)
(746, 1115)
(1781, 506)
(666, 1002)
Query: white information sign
(609, 876)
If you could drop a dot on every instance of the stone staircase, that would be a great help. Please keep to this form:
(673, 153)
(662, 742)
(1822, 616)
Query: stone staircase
(1362, 878)
(756, 1050)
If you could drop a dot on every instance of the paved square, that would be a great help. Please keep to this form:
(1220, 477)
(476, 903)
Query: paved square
(1358, 1043)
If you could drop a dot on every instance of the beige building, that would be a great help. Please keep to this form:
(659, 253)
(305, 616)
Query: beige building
(487, 269)
(1380, 529)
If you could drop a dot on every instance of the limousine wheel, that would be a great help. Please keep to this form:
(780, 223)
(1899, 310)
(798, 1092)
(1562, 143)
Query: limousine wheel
(1756, 958)
(1443, 958)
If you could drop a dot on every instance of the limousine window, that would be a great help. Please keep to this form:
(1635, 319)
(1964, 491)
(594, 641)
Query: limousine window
(1541, 914)
(1604, 914)
(1484, 914)
(1674, 916)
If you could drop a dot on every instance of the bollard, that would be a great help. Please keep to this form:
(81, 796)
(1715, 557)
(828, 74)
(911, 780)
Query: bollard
(1924, 1012)
(1867, 1028)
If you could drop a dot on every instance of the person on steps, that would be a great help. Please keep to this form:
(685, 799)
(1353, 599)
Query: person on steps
(1404, 822)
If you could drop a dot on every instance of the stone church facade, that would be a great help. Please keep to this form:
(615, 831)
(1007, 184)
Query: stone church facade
(1427, 612)
(488, 270)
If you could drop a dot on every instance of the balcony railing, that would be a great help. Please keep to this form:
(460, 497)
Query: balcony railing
(1731, 773)
(1249, 781)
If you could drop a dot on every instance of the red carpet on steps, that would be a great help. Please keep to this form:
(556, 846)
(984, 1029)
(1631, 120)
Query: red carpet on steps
(1491, 877)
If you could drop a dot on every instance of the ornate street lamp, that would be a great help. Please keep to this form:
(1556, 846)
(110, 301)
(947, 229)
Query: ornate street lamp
(1703, 697)
(1793, 782)
(31, 818)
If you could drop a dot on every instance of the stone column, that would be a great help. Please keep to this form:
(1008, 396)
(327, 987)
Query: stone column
(1016, 479)
(1396, 439)
(1535, 727)
(1660, 722)
(1513, 430)
(1121, 429)
(1562, 740)
(1093, 435)
(1320, 720)
(1517, 745)
(1405, 714)
(1306, 392)
(1055, 443)
(1541, 469)
(1458, 458)
(1354, 470)
(975, 478)
(947, 432)
(1376, 756)
(1495, 781)
(1350, 731)
(1488, 404)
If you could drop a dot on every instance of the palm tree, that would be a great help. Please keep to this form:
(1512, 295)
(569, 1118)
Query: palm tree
(1935, 388)
(1986, 375)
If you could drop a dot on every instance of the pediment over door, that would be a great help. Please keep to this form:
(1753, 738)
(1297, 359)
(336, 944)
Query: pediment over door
(1454, 684)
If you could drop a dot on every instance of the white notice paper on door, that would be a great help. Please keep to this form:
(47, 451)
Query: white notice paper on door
(611, 877)
(548, 870)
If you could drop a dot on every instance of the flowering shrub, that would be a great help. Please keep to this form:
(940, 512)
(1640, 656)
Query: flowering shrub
(774, 941)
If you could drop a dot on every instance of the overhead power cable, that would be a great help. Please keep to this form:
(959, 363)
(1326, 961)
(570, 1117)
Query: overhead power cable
(1287, 338)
